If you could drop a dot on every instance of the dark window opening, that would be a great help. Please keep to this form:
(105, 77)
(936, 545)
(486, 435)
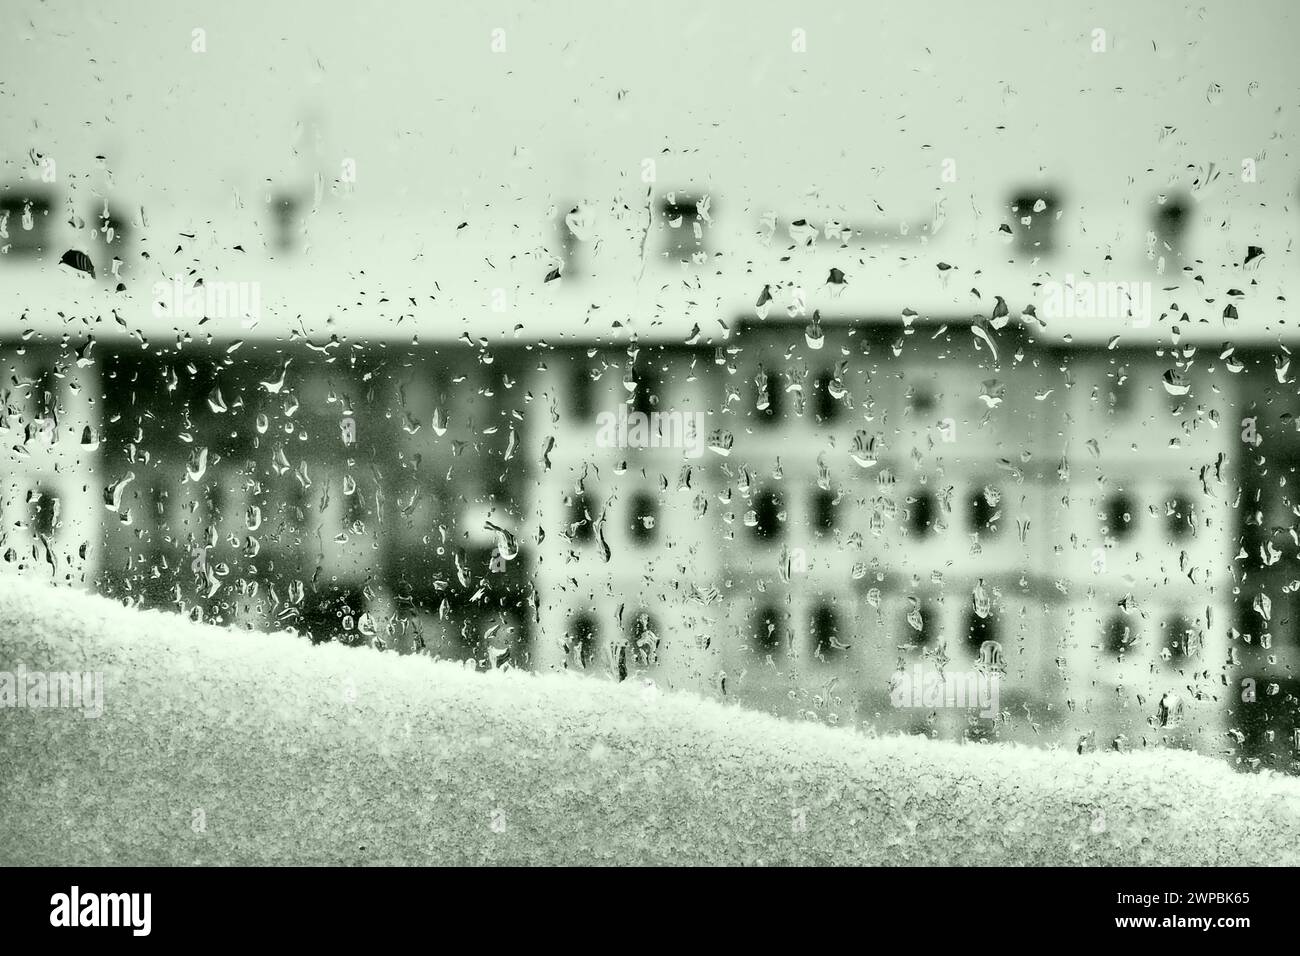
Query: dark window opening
(921, 513)
(825, 406)
(1179, 517)
(354, 510)
(979, 629)
(157, 499)
(580, 389)
(300, 502)
(824, 630)
(767, 515)
(333, 616)
(19, 209)
(581, 527)
(824, 511)
(1122, 393)
(1034, 221)
(286, 222)
(981, 512)
(1170, 225)
(1179, 639)
(683, 227)
(580, 640)
(1119, 635)
(1120, 516)
(111, 230)
(768, 396)
(920, 398)
(214, 498)
(926, 616)
(645, 398)
(644, 517)
(46, 393)
(45, 514)
(571, 245)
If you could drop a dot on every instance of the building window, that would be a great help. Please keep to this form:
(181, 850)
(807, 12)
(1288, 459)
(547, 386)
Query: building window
(768, 396)
(1122, 393)
(767, 515)
(286, 222)
(979, 629)
(580, 641)
(983, 510)
(113, 232)
(27, 220)
(824, 511)
(46, 394)
(1179, 517)
(684, 227)
(1119, 635)
(645, 397)
(581, 527)
(1034, 222)
(157, 503)
(580, 389)
(1180, 639)
(644, 517)
(418, 509)
(569, 226)
(213, 499)
(354, 510)
(1169, 224)
(45, 513)
(920, 623)
(300, 502)
(920, 398)
(1120, 516)
(334, 616)
(825, 405)
(921, 514)
(824, 630)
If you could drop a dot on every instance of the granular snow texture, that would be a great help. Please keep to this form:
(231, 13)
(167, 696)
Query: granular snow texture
(225, 747)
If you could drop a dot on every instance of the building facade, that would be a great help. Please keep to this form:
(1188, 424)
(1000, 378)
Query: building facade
(838, 517)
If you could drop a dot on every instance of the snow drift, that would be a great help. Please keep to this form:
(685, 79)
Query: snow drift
(225, 747)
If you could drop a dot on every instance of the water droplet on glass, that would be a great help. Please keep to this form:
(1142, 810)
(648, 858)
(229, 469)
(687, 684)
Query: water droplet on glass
(1170, 711)
(813, 333)
(1175, 383)
(439, 422)
(863, 449)
(914, 618)
(216, 401)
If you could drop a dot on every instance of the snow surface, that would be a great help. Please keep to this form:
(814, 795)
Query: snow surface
(335, 755)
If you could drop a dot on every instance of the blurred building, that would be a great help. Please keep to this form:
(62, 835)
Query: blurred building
(793, 507)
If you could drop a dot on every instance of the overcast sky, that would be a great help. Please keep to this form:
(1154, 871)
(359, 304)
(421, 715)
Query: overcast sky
(442, 129)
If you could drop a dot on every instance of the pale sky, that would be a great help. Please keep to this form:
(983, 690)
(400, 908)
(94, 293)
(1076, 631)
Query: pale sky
(444, 130)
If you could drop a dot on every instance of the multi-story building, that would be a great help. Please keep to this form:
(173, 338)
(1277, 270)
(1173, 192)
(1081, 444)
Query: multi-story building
(913, 496)
(838, 498)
